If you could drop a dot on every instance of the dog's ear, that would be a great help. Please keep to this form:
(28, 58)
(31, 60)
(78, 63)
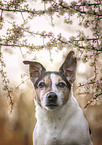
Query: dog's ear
(69, 67)
(36, 69)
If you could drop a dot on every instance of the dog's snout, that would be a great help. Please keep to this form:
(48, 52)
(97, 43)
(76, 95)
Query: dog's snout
(52, 96)
(51, 100)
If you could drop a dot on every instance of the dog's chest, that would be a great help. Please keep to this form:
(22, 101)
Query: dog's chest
(57, 133)
(51, 135)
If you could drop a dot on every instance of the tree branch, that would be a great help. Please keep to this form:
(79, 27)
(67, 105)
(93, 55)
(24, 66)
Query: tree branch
(95, 97)
(77, 10)
(34, 12)
(22, 45)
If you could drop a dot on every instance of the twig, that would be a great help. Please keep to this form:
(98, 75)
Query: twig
(95, 97)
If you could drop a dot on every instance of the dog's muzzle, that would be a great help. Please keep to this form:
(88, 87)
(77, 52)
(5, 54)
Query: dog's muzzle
(51, 100)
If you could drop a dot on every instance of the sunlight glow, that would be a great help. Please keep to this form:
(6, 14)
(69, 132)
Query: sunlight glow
(81, 68)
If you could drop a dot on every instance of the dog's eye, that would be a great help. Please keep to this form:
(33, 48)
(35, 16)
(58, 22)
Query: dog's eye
(61, 84)
(42, 84)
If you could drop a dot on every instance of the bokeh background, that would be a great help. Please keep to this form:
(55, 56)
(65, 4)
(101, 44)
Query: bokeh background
(45, 31)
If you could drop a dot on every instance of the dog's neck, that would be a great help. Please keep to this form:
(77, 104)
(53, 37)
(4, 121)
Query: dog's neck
(57, 115)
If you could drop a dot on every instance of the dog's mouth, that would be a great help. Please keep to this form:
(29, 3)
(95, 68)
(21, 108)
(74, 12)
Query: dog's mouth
(52, 106)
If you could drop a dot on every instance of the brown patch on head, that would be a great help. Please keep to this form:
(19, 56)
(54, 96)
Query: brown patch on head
(66, 92)
(42, 91)
(61, 87)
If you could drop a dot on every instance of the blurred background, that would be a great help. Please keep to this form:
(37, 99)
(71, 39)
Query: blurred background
(45, 31)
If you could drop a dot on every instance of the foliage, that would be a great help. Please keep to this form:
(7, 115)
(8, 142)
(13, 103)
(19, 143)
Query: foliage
(89, 14)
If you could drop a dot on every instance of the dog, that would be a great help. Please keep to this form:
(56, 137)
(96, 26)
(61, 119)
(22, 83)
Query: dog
(60, 120)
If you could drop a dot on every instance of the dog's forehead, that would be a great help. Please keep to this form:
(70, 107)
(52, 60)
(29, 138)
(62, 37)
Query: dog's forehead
(55, 78)
(51, 76)
(47, 77)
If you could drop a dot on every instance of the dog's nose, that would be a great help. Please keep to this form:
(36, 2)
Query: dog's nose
(52, 96)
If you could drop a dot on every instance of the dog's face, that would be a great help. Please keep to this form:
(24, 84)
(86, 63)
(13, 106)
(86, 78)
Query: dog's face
(52, 88)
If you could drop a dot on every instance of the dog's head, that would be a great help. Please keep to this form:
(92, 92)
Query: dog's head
(53, 88)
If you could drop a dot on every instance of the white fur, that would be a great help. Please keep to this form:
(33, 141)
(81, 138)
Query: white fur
(63, 126)
(54, 89)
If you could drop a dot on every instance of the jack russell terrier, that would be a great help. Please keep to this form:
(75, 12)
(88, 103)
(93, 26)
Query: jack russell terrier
(60, 120)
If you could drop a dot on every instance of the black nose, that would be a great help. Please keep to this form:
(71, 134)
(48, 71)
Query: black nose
(52, 96)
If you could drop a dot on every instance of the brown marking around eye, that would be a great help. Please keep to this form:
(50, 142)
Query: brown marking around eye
(43, 91)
